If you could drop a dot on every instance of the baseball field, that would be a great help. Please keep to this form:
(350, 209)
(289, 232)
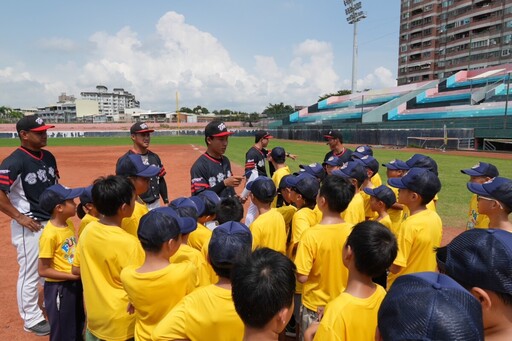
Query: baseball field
(81, 160)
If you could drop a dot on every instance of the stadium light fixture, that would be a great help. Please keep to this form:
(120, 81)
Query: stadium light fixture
(353, 10)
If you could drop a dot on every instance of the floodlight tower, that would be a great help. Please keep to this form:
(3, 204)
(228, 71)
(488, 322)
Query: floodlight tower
(354, 15)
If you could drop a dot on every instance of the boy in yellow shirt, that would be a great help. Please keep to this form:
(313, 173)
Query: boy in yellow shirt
(370, 249)
(381, 199)
(363, 151)
(421, 232)
(422, 161)
(480, 173)
(208, 313)
(332, 163)
(395, 169)
(159, 284)
(269, 228)
(105, 249)
(495, 201)
(371, 165)
(62, 290)
(264, 282)
(86, 210)
(132, 167)
(355, 172)
(206, 219)
(319, 258)
(278, 158)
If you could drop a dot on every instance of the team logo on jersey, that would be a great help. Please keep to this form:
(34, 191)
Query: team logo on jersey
(212, 181)
(261, 163)
(4, 171)
(41, 174)
(51, 171)
(194, 180)
(39, 121)
(31, 178)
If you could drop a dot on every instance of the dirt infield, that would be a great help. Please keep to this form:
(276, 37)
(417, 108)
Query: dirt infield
(79, 166)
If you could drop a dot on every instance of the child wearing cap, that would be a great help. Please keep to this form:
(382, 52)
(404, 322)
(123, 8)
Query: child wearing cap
(481, 261)
(319, 257)
(480, 173)
(86, 210)
(269, 228)
(277, 158)
(363, 151)
(382, 199)
(156, 286)
(395, 169)
(370, 249)
(426, 162)
(355, 172)
(287, 210)
(208, 312)
(332, 163)
(185, 207)
(62, 289)
(105, 249)
(371, 165)
(421, 232)
(429, 306)
(200, 237)
(132, 167)
(264, 283)
(495, 201)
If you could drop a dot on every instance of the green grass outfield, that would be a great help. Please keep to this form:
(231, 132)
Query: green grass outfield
(453, 199)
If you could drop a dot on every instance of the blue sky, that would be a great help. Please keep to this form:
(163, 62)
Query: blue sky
(232, 54)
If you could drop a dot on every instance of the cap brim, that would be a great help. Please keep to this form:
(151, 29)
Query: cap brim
(224, 133)
(471, 172)
(143, 131)
(441, 255)
(75, 193)
(369, 191)
(390, 166)
(397, 182)
(478, 189)
(187, 225)
(357, 155)
(42, 128)
(249, 185)
(149, 172)
(328, 137)
(291, 181)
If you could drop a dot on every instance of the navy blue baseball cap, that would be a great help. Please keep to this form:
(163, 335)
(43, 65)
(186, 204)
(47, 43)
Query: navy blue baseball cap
(132, 165)
(353, 170)
(383, 193)
(333, 161)
(86, 196)
(199, 204)
(396, 165)
(369, 162)
(263, 188)
(186, 224)
(422, 161)
(362, 151)
(187, 202)
(209, 195)
(305, 184)
(479, 258)
(482, 169)
(430, 306)
(230, 242)
(419, 180)
(57, 194)
(497, 188)
(315, 169)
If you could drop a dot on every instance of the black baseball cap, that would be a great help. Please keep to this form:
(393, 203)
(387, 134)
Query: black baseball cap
(140, 127)
(262, 134)
(383, 193)
(333, 134)
(216, 129)
(263, 188)
(482, 169)
(419, 180)
(497, 188)
(57, 194)
(32, 123)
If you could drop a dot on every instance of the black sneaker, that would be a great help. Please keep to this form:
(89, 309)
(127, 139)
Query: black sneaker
(40, 329)
(289, 330)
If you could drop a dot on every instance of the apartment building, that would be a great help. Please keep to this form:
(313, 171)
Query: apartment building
(440, 37)
(111, 104)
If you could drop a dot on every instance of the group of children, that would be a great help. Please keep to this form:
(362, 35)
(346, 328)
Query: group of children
(322, 248)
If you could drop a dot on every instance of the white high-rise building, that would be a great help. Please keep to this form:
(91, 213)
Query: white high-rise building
(111, 104)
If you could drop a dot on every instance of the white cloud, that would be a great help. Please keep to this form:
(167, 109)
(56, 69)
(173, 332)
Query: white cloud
(181, 57)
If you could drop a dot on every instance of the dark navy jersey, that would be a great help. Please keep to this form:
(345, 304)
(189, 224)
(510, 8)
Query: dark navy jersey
(209, 173)
(24, 175)
(255, 158)
(156, 188)
(344, 156)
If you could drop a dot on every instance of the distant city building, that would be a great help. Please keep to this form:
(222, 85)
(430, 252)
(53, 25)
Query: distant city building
(112, 105)
(63, 98)
(440, 37)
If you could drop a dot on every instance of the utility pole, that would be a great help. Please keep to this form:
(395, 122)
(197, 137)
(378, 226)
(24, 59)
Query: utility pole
(354, 15)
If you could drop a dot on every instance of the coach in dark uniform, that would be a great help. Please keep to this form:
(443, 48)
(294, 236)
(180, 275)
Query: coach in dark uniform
(24, 175)
(141, 137)
(335, 142)
(212, 170)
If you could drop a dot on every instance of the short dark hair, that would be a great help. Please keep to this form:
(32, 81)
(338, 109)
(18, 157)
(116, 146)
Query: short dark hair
(263, 283)
(374, 247)
(155, 229)
(110, 193)
(338, 192)
(229, 209)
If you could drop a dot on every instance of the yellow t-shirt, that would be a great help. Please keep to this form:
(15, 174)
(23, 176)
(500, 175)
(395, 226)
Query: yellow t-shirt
(269, 230)
(351, 318)
(319, 257)
(103, 252)
(420, 234)
(208, 313)
(395, 215)
(131, 224)
(187, 254)
(386, 221)
(475, 219)
(85, 220)
(58, 244)
(430, 206)
(302, 220)
(354, 213)
(369, 214)
(376, 180)
(213, 276)
(153, 294)
(200, 236)
(276, 178)
(287, 211)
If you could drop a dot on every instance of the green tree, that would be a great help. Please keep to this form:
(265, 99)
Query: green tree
(278, 111)
(200, 110)
(339, 93)
(187, 110)
(8, 115)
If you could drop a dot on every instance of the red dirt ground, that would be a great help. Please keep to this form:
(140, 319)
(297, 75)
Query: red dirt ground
(79, 166)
